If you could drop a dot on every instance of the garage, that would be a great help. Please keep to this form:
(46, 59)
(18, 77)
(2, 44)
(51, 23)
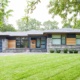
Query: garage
(0, 45)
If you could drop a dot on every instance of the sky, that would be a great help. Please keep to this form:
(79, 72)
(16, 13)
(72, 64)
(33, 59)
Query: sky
(40, 13)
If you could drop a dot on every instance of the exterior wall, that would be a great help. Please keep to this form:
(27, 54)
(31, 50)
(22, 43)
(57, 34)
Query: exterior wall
(4, 44)
(70, 41)
(11, 43)
(54, 47)
(49, 44)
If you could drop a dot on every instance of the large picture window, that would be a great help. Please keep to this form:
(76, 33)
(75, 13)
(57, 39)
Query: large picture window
(56, 39)
(77, 39)
(21, 42)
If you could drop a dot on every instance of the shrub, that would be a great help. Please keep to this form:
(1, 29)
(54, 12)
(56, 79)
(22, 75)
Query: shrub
(58, 51)
(65, 50)
(51, 51)
(75, 51)
(71, 51)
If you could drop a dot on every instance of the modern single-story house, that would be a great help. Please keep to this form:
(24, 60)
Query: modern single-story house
(40, 41)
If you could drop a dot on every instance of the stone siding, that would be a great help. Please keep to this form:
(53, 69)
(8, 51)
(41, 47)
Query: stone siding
(61, 47)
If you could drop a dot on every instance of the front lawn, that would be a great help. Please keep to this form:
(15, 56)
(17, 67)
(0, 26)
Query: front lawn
(40, 67)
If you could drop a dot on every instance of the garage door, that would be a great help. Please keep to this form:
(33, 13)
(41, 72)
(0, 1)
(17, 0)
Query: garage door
(0, 45)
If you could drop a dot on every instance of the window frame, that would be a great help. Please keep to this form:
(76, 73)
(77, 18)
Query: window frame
(77, 38)
(20, 41)
(63, 39)
(56, 38)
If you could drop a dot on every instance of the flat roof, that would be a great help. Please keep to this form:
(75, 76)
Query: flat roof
(63, 30)
(39, 32)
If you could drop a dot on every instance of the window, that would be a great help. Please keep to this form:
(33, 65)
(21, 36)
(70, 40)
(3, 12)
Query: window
(43, 42)
(63, 39)
(78, 39)
(38, 42)
(21, 42)
(56, 39)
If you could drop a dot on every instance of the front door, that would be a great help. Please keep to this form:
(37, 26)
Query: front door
(33, 43)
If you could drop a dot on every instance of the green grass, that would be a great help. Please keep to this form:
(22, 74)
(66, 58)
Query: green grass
(40, 67)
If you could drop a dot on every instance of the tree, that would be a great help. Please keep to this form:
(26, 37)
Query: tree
(3, 12)
(50, 25)
(63, 8)
(77, 25)
(7, 27)
(27, 23)
(67, 25)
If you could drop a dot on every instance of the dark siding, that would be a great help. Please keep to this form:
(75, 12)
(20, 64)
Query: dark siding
(49, 36)
(71, 35)
(0, 45)
(11, 38)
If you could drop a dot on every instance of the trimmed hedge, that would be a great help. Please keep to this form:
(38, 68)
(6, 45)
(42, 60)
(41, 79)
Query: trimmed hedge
(51, 51)
(65, 50)
(58, 51)
(75, 51)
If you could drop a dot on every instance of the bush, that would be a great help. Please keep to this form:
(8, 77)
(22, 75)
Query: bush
(75, 51)
(58, 51)
(71, 51)
(65, 50)
(51, 51)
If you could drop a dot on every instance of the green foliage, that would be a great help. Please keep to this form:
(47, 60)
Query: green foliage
(77, 25)
(68, 10)
(31, 5)
(65, 50)
(50, 25)
(27, 23)
(8, 27)
(71, 51)
(4, 14)
(58, 51)
(64, 8)
(75, 51)
(67, 25)
(51, 51)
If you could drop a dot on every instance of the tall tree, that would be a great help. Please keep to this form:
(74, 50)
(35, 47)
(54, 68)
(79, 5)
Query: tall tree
(27, 23)
(63, 8)
(7, 27)
(3, 12)
(50, 25)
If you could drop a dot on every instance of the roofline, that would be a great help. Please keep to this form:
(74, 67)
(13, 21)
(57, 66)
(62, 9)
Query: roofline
(60, 32)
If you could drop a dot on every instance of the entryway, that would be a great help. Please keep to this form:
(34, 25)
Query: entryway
(38, 43)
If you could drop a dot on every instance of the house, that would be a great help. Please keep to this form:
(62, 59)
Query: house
(40, 41)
